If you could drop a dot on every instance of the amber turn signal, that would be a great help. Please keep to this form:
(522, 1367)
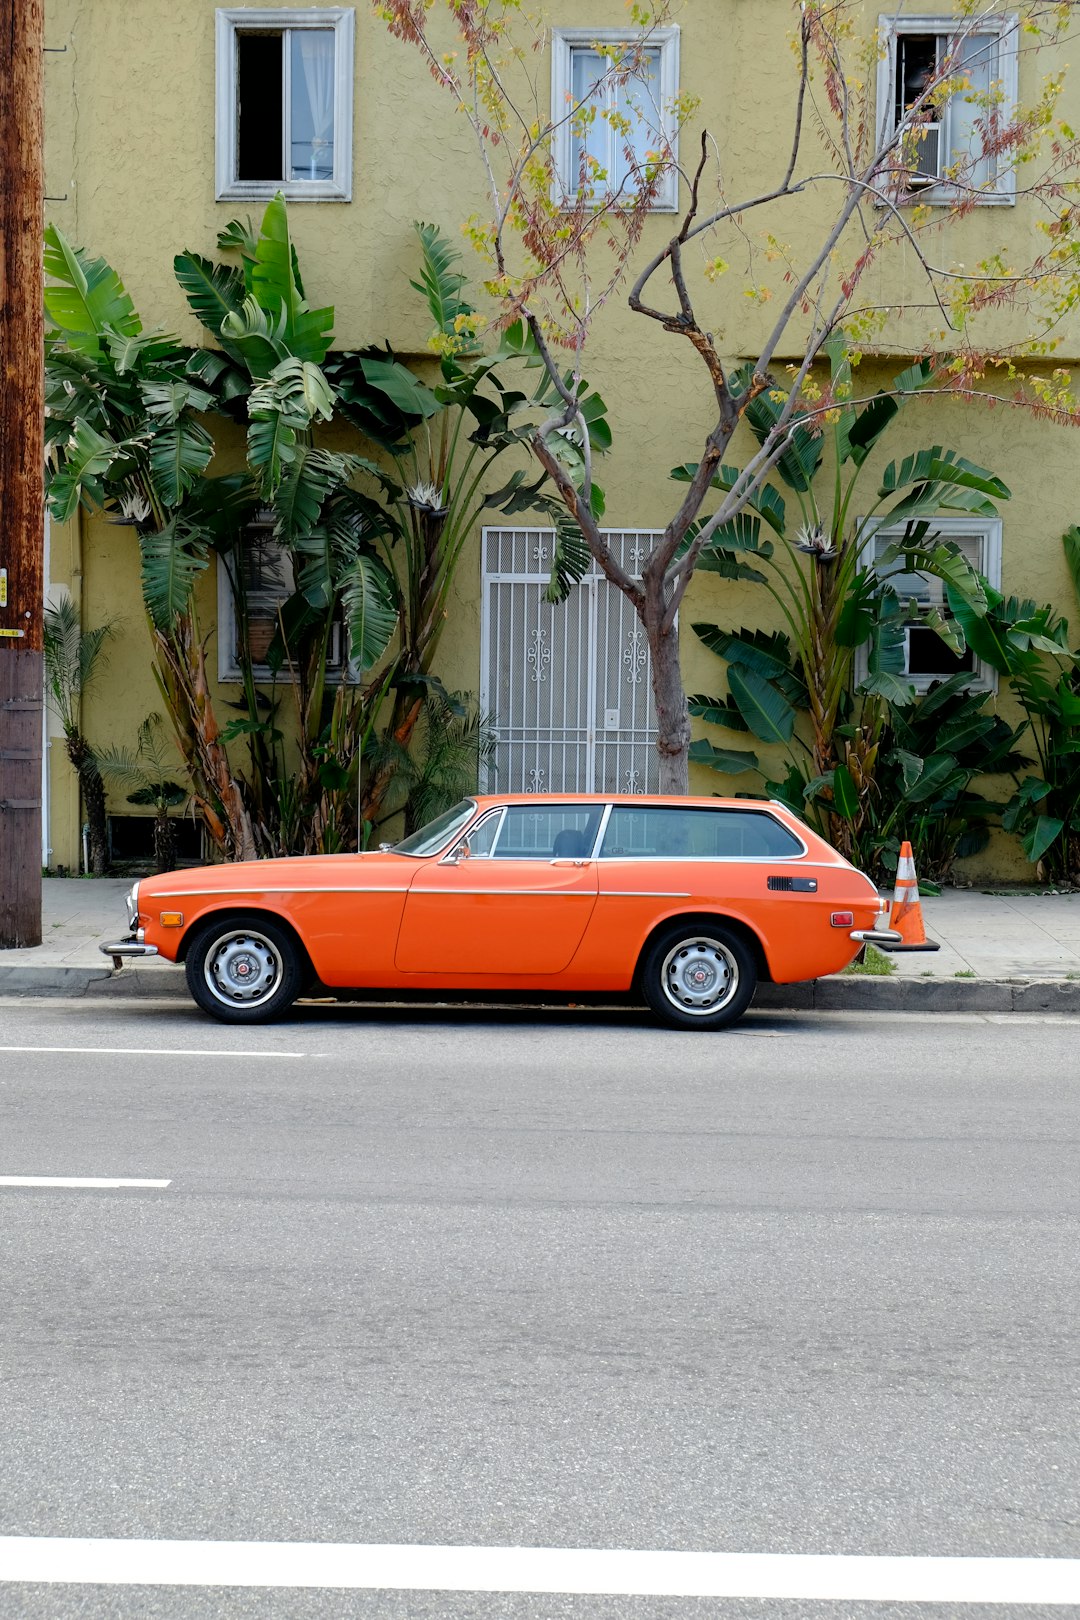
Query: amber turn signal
(172, 919)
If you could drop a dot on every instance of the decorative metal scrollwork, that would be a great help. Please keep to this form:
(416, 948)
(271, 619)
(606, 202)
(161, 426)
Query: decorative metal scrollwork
(539, 655)
(634, 656)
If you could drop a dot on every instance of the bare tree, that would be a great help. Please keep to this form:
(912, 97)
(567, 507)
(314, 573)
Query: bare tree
(862, 152)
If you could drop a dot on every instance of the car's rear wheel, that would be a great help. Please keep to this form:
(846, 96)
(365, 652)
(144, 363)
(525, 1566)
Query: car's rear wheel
(698, 976)
(244, 970)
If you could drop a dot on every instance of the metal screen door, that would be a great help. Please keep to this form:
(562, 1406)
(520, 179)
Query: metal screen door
(567, 688)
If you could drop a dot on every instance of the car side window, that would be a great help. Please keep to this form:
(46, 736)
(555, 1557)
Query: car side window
(661, 831)
(547, 832)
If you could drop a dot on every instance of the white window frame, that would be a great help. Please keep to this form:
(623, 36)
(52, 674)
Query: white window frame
(228, 659)
(234, 20)
(1003, 192)
(989, 531)
(563, 43)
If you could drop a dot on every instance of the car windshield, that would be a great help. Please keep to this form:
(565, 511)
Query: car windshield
(439, 832)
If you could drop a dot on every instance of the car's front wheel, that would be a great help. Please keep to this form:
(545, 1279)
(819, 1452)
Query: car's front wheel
(244, 970)
(698, 976)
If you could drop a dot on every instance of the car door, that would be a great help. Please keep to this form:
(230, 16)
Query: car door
(519, 910)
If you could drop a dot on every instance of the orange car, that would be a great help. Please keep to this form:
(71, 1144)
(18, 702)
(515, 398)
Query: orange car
(690, 902)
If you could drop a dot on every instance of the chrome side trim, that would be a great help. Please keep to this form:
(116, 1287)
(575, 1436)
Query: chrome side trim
(283, 888)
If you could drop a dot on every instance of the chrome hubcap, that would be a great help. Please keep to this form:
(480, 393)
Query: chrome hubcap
(699, 976)
(243, 968)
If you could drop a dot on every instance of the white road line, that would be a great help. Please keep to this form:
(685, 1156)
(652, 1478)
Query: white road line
(160, 1051)
(541, 1569)
(78, 1181)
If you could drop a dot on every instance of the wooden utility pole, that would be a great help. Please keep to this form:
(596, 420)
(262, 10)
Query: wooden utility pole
(22, 418)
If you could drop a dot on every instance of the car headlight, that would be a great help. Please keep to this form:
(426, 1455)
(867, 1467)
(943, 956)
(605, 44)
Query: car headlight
(133, 906)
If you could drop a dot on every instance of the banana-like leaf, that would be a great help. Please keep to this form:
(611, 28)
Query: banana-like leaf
(84, 461)
(875, 417)
(1070, 540)
(845, 794)
(212, 290)
(140, 351)
(883, 683)
(758, 650)
(720, 562)
(766, 502)
(1038, 839)
(306, 482)
(938, 776)
(401, 388)
(275, 285)
(296, 389)
(256, 336)
(840, 377)
(178, 456)
(717, 711)
(370, 611)
(441, 282)
(172, 560)
(938, 466)
(167, 401)
(740, 533)
(859, 611)
(570, 562)
(729, 761)
(90, 299)
(982, 632)
(271, 447)
(804, 448)
(765, 709)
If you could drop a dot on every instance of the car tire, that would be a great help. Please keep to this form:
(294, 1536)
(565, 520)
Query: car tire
(699, 976)
(245, 970)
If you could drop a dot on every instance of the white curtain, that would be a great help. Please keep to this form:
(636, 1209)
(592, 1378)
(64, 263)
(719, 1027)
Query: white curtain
(313, 55)
(977, 59)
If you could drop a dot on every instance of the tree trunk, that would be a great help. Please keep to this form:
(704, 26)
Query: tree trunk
(672, 719)
(164, 842)
(81, 756)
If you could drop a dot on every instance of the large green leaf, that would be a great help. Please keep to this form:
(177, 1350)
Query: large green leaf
(766, 711)
(271, 447)
(767, 502)
(370, 611)
(875, 417)
(758, 650)
(212, 290)
(306, 482)
(570, 560)
(441, 283)
(1070, 540)
(981, 631)
(172, 560)
(717, 711)
(90, 300)
(404, 391)
(275, 285)
(178, 455)
(938, 775)
(804, 448)
(840, 378)
(1038, 839)
(845, 794)
(729, 761)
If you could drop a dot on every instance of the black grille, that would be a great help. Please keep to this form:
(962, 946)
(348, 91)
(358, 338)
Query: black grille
(801, 885)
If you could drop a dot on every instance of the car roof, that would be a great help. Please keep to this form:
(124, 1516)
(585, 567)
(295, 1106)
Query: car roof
(671, 800)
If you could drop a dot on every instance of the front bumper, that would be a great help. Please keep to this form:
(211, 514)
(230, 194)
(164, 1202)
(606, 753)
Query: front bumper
(127, 947)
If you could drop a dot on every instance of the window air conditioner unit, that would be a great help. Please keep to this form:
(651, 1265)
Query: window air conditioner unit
(926, 147)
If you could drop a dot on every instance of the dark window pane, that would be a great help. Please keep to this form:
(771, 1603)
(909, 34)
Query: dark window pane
(260, 100)
(696, 834)
(928, 654)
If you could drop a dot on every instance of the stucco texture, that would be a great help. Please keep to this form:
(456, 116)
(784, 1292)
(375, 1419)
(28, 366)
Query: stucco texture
(130, 175)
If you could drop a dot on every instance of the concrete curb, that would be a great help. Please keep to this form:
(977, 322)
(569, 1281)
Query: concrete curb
(838, 994)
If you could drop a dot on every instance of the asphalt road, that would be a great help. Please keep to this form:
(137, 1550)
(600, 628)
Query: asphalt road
(473, 1278)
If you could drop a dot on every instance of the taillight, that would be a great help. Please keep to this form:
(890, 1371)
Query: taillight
(843, 919)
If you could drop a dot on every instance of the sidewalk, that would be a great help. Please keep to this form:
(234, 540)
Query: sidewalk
(999, 952)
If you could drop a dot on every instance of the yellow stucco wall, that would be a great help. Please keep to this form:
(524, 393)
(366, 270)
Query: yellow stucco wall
(130, 174)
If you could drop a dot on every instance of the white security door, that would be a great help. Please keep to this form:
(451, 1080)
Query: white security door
(567, 687)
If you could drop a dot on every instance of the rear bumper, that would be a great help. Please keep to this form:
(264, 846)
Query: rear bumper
(888, 940)
(127, 947)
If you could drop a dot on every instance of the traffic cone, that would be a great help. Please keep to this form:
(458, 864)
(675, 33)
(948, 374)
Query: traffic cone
(906, 916)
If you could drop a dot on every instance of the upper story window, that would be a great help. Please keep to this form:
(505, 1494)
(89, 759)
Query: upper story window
(284, 102)
(926, 657)
(253, 587)
(950, 150)
(607, 123)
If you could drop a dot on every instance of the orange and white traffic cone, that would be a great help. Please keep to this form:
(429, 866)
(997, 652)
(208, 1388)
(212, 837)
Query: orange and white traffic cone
(906, 916)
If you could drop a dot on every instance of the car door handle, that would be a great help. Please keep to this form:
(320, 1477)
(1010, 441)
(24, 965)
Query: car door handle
(566, 860)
